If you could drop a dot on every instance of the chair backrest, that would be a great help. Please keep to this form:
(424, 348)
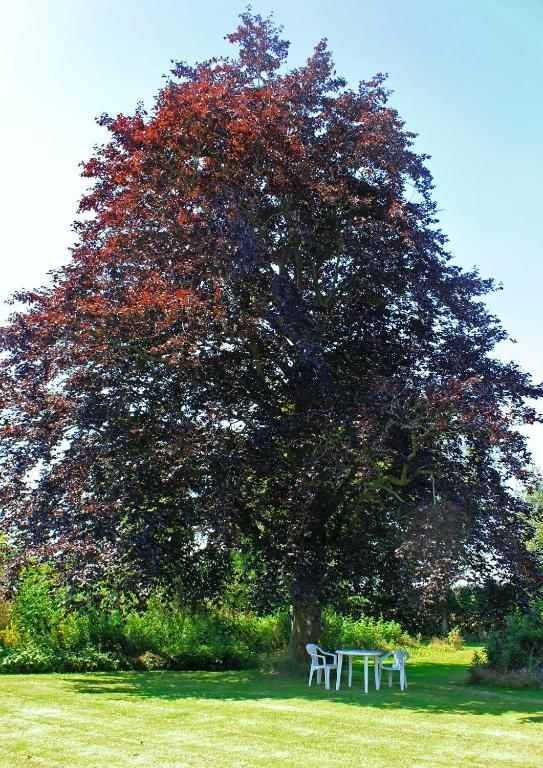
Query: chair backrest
(400, 657)
(312, 650)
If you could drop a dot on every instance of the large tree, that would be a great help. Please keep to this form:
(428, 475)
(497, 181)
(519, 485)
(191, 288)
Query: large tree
(259, 341)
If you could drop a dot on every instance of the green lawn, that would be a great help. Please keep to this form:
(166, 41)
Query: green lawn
(250, 719)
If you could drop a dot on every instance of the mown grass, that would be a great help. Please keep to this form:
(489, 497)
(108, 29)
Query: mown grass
(250, 719)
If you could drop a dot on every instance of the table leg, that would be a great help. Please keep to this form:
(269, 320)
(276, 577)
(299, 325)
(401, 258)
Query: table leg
(350, 671)
(365, 674)
(376, 672)
(338, 671)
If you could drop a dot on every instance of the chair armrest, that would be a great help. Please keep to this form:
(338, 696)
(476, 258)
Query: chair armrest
(333, 655)
(385, 656)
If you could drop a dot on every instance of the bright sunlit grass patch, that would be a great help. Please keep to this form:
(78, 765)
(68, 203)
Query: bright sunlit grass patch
(249, 719)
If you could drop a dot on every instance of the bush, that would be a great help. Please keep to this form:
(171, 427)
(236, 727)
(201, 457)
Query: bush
(453, 642)
(39, 604)
(33, 658)
(219, 640)
(10, 636)
(481, 673)
(29, 658)
(365, 632)
(44, 634)
(91, 660)
(516, 646)
(514, 655)
(151, 661)
(455, 639)
(91, 628)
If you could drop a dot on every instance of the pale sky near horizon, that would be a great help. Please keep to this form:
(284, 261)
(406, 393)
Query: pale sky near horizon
(467, 76)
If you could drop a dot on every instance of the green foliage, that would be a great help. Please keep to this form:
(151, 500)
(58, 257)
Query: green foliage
(48, 632)
(480, 673)
(516, 646)
(219, 640)
(28, 658)
(364, 632)
(454, 641)
(282, 663)
(476, 608)
(209, 639)
(39, 605)
(92, 628)
(514, 654)
(535, 517)
(521, 680)
(40, 658)
(43, 634)
(151, 661)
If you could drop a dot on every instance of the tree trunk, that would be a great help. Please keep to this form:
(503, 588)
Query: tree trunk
(444, 619)
(305, 626)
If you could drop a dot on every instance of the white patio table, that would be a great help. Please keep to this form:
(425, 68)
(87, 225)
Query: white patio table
(366, 654)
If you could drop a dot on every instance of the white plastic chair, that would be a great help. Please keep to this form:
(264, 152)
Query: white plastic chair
(319, 663)
(398, 665)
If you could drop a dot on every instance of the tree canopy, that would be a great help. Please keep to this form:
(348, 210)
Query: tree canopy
(260, 341)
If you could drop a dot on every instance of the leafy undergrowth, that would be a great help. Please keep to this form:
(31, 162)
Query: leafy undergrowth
(248, 719)
(513, 656)
(42, 631)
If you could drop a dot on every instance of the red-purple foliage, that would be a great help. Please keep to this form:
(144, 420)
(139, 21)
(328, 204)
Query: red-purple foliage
(259, 340)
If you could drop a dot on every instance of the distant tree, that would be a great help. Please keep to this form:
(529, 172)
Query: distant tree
(534, 498)
(476, 608)
(259, 342)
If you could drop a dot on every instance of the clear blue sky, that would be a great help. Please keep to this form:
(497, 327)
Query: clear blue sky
(467, 76)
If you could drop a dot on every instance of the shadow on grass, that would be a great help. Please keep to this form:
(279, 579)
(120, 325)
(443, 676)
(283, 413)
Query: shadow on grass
(536, 719)
(432, 688)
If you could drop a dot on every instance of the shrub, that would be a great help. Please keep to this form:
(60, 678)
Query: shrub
(34, 658)
(453, 642)
(151, 661)
(514, 655)
(30, 658)
(455, 639)
(152, 629)
(10, 636)
(4, 612)
(516, 646)
(480, 672)
(43, 634)
(91, 628)
(39, 604)
(208, 639)
(365, 632)
(90, 660)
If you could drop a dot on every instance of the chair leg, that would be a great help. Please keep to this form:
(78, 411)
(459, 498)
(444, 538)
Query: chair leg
(405, 678)
(401, 680)
(310, 676)
(319, 676)
(390, 679)
(327, 678)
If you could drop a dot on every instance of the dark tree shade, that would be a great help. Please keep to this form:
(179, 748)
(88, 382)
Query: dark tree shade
(260, 341)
